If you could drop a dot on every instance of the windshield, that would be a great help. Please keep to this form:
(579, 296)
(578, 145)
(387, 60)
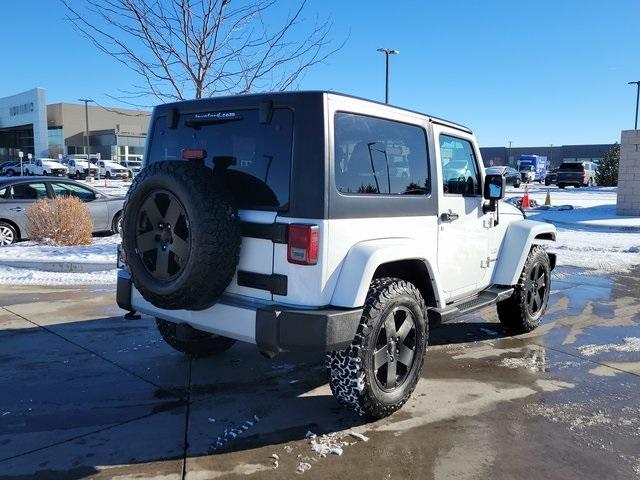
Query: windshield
(526, 168)
(253, 158)
(572, 167)
(134, 163)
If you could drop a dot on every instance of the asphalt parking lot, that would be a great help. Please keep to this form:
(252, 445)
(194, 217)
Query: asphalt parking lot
(87, 394)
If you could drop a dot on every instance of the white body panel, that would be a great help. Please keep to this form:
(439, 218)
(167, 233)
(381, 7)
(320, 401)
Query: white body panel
(42, 166)
(114, 169)
(229, 321)
(518, 240)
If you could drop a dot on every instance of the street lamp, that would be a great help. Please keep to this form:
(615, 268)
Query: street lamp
(86, 132)
(637, 100)
(509, 153)
(387, 52)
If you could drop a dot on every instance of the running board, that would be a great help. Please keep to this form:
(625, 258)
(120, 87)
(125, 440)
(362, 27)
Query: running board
(487, 297)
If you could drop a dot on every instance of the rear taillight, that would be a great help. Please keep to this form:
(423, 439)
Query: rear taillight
(194, 154)
(302, 247)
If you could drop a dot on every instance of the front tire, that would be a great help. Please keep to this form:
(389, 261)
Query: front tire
(199, 344)
(522, 312)
(377, 373)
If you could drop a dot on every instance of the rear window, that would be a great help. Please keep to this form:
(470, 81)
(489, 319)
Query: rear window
(253, 158)
(572, 167)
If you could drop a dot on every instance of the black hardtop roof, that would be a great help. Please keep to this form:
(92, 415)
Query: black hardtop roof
(259, 97)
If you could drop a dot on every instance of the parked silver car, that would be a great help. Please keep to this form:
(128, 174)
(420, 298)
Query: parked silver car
(17, 193)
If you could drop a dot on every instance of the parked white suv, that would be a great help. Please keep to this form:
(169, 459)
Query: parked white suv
(110, 169)
(45, 166)
(311, 220)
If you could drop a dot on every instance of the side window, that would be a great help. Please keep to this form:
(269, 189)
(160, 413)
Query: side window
(375, 156)
(28, 191)
(71, 190)
(4, 193)
(459, 167)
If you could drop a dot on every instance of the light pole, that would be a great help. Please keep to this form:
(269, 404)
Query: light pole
(387, 52)
(86, 131)
(637, 100)
(509, 154)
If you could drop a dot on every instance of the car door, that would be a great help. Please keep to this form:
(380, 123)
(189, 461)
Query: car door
(18, 199)
(95, 202)
(463, 245)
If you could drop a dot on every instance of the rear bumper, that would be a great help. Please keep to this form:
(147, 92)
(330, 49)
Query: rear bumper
(273, 328)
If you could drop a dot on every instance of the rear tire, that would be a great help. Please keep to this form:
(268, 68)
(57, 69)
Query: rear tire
(116, 223)
(199, 345)
(522, 312)
(561, 186)
(376, 375)
(8, 234)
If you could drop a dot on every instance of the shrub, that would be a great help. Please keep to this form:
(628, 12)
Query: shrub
(607, 173)
(60, 221)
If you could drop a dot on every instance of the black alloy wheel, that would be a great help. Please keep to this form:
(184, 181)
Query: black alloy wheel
(163, 239)
(395, 349)
(536, 290)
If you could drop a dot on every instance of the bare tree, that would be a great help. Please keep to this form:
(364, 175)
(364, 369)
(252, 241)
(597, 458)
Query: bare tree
(185, 49)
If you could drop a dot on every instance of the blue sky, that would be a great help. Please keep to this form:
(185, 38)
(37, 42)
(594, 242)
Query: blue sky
(533, 72)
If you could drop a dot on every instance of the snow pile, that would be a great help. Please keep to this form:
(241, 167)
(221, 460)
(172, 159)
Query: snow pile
(24, 276)
(101, 250)
(535, 363)
(590, 234)
(631, 344)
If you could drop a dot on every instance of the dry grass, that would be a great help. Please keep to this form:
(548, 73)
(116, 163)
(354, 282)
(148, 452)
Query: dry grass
(60, 221)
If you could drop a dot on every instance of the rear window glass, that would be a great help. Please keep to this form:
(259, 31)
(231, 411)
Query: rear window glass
(253, 158)
(572, 167)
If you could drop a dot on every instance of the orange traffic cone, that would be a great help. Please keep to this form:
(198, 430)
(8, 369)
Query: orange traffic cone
(525, 198)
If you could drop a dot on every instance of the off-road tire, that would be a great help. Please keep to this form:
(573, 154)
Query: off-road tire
(515, 313)
(351, 373)
(213, 232)
(200, 344)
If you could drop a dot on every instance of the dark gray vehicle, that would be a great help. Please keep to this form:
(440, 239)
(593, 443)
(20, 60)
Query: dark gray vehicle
(578, 174)
(16, 194)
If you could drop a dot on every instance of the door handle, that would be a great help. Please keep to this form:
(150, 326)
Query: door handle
(17, 209)
(449, 216)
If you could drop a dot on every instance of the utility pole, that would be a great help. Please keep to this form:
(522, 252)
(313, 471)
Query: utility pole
(387, 52)
(86, 131)
(550, 154)
(637, 84)
(509, 154)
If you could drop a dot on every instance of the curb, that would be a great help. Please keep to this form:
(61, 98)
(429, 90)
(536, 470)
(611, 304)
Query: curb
(592, 226)
(61, 267)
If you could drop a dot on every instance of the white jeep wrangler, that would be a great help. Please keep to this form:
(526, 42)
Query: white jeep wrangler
(313, 220)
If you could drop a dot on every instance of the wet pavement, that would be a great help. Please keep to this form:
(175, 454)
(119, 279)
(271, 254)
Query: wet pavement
(87, 394)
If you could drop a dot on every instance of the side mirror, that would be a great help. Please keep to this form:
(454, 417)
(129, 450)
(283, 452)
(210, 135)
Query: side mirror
(494, 190)
(494, 187)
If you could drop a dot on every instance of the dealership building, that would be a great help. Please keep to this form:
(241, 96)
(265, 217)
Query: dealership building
(29, 125)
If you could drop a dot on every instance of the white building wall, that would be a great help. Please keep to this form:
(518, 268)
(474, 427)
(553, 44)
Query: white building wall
(26, 108)
(629, 174)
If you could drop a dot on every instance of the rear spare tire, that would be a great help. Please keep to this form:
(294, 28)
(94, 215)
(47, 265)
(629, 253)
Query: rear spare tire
(181, 235)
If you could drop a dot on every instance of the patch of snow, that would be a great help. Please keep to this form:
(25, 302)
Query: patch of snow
(630, 344)
(24, 276)
(231, 433)
(535, 363)
(328, 444)
(310, 434)
(587, 222)
(359, 436)
(103, 249)
(303, 467)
